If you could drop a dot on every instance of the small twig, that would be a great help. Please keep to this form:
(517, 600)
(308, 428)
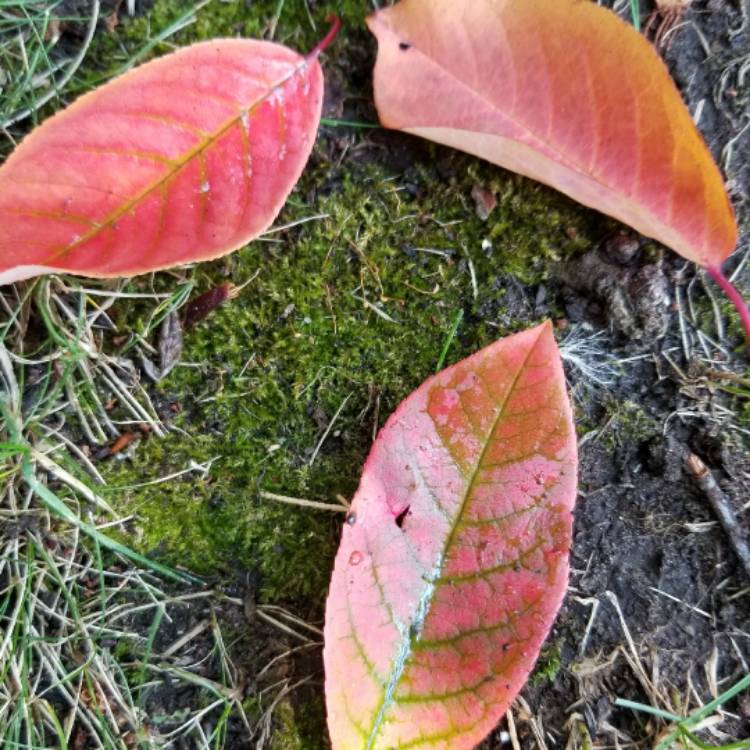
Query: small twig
(281, 612)
(194, 467)
(698, 611)
(512, 733)
(721, 506)
(302, 502)
(328, 430)
(631, 652)
(281, 626)
(594, 603)
(686, 349)
(381, 313)
(189, 636)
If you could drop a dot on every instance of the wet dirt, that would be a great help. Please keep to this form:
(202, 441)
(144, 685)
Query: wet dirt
(658, 600)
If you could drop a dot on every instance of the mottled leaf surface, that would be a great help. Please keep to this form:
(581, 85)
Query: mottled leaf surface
(185, 158)
(561, 91)
(454, 558)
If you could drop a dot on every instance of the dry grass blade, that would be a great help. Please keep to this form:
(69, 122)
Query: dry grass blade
(35, 74)
(60, 681)
(87, 632)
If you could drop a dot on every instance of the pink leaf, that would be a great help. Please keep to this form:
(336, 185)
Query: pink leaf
(185, 158)
(564, 92)
(454, 558)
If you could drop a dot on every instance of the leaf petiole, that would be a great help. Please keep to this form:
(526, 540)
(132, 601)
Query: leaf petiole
(321, 46)
(733, 295)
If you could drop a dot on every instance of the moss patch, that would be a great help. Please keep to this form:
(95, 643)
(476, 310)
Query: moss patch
(627, 424)
(351, 308)
(354, 307)
(548, 664)
(298, 726)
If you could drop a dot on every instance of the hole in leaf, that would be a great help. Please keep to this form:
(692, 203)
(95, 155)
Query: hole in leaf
(401, 516)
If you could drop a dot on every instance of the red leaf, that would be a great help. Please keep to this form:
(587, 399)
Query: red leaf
(200, 307)
(454, 558)
(183, 159)
(561, 91)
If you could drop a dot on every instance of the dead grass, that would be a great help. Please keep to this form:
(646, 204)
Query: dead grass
(33, 69)
(669, 717)
(81, 614)
(83, 618)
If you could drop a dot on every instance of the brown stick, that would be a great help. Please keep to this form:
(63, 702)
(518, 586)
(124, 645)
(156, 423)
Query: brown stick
(722, 507)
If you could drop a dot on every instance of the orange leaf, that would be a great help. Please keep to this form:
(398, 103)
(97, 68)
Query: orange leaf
(183, 159)
(454, 558)
(561, 91)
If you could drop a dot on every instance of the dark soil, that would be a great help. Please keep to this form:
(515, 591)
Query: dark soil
(634, 540)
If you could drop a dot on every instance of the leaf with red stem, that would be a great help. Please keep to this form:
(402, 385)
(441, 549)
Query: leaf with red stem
(566, 93)
(185, 158)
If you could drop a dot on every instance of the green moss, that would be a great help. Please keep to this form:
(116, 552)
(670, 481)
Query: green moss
(298, 727)
(627, 424)
(263, 376)
(741, 392)
(170, 24)
(548, 664)
(350, 308)
(287, 733)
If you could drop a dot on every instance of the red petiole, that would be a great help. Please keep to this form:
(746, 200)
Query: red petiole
(733, 295)
(321, 46)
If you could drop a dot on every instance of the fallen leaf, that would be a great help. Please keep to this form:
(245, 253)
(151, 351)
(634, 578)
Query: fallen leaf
(484, 201)
(561, 91)
(182, 159)
(199, 308)
(170, 344)
(120, 444)
(454, 557)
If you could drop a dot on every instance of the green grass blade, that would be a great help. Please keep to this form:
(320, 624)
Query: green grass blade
(60, 509)
(152, 632)
(635, 12)
(336, 123)
(449, 339)
(645, 709)
(709, 708)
